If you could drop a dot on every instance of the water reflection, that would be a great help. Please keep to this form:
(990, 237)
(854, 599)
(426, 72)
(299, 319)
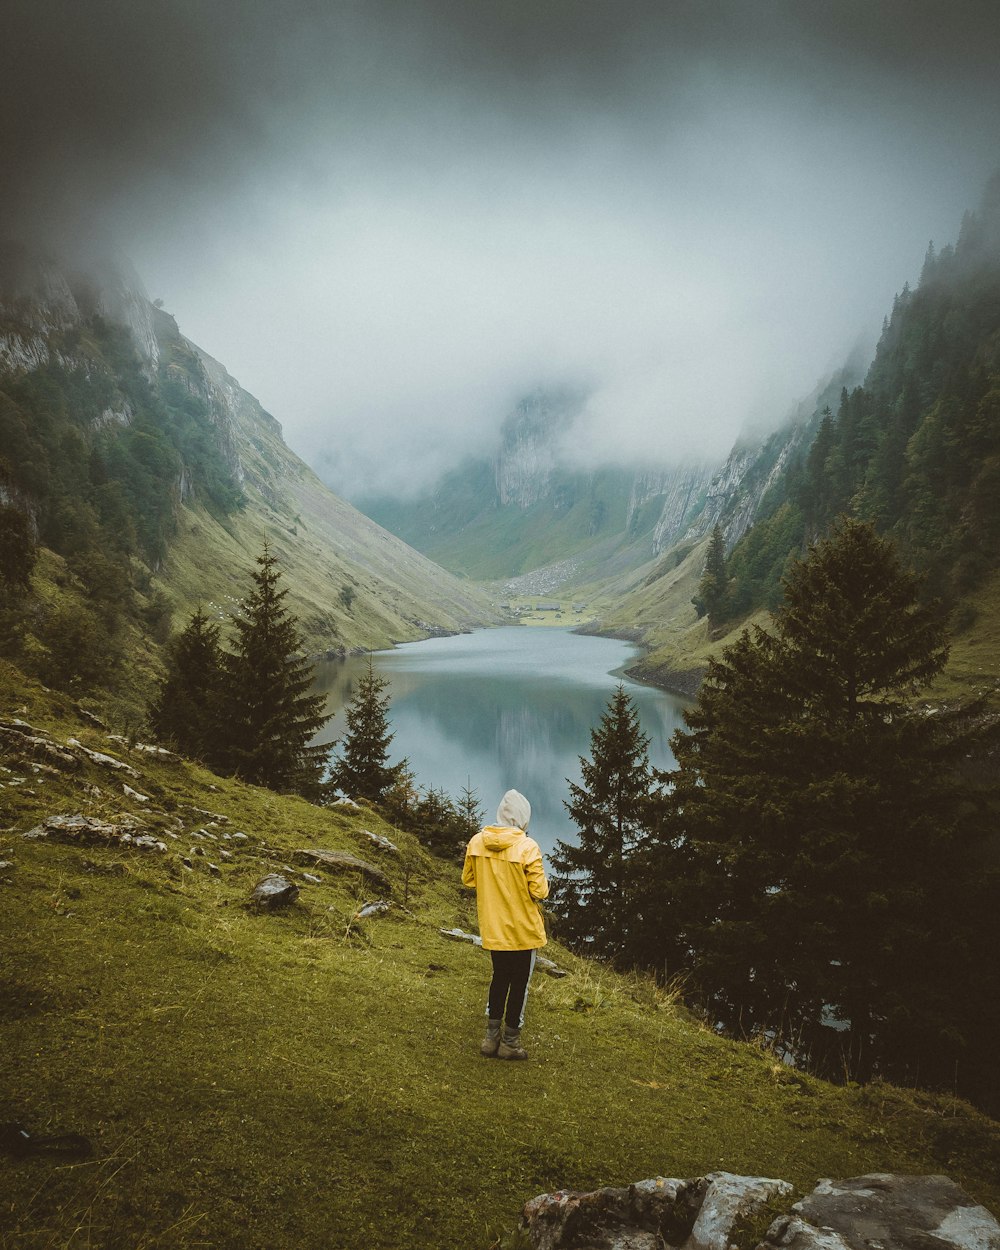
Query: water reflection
(501, 708)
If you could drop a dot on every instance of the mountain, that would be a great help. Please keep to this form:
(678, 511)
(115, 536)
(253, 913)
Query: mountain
(150, 478)
(911, 443)
(522, 509)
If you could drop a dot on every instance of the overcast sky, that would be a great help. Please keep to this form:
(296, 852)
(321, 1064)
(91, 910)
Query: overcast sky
(389, 220)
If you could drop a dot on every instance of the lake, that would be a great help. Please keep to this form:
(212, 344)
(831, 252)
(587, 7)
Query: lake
(503, 708)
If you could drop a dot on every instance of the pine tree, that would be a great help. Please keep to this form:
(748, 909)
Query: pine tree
(362, 770)
(711, 597)
(592, 889)
(186, 711)
(816, 823)
(270, 716)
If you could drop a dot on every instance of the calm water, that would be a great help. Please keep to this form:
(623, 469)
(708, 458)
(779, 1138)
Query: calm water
(502, 708)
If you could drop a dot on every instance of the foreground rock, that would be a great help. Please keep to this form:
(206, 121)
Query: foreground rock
(874, 1212)
(903, 1212)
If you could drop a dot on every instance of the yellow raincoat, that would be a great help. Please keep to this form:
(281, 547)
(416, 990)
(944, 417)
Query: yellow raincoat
(504, 867)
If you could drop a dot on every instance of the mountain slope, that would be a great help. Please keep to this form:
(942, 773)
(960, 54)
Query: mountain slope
(309, 1078)
(915, 449)
(152, 479)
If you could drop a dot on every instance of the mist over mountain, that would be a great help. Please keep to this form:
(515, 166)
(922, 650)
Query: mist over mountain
(393, 221)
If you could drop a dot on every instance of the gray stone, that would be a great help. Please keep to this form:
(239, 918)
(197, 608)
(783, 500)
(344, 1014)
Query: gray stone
(104, 761)
(459, 935)
(82, 829)
(646, 1216)
(881, 1209)
(311, 878)
(274, 891)
(134, 794)
(377, 908)
(791, 1233)
(342, 861)
(27, 748)
(380, 842)
(549, 968)
(727, 1199)
(142, 842)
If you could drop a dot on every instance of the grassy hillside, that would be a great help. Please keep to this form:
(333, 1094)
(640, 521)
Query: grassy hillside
(307, 1078)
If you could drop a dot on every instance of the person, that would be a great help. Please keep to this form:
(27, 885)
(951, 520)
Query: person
(504, 866)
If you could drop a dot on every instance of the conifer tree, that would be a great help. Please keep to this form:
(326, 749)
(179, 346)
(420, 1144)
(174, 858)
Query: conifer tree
(362, 770)
(814, 828)
(271, 717)
(186, 711)
(711, 597)
(592, 889)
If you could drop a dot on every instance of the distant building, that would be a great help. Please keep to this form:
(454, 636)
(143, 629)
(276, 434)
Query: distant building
(547, 607)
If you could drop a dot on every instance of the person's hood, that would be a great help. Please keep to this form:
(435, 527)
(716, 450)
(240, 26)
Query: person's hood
(514, 811)
(501, 837)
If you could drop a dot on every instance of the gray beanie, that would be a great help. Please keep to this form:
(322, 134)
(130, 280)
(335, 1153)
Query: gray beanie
(514, 811)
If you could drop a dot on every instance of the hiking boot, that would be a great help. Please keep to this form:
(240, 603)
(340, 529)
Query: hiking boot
(510, 1045)
(491, 1042)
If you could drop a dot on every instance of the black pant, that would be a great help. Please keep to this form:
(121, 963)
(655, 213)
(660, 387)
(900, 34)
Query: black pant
(511, 972)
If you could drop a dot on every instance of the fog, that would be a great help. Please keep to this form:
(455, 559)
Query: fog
(390, 220)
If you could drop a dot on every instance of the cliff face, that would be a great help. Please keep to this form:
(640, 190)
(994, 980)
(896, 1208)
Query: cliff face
(524, 508)
(527, 458)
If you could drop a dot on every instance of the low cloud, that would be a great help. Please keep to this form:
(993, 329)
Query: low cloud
(391, 220)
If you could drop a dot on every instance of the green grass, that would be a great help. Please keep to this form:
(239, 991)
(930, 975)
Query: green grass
(304, 1079)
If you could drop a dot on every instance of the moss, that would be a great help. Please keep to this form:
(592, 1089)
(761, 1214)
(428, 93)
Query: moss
(304, 1078)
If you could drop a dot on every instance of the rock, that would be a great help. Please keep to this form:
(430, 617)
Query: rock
(143, 748)
(379, 842)
(104, 761)
(342, 861)
(344, 802)
(880, 1209)
(142, 842)
(377, 908)
(311, 878)
(29, 747)
(134, 794)
(89, 717)
(727, 1199)
(644, 1216)
(82, 829)
(214, 817)
(459, 935)
(875, 1212)
(551, 969)
(274, 891)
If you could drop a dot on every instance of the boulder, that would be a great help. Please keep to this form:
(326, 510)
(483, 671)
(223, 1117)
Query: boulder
(342, 861)
(274, 891)
(875, 1212)
(729, 1198)
(904, 1212)
(644, 1216)
(88, 830)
